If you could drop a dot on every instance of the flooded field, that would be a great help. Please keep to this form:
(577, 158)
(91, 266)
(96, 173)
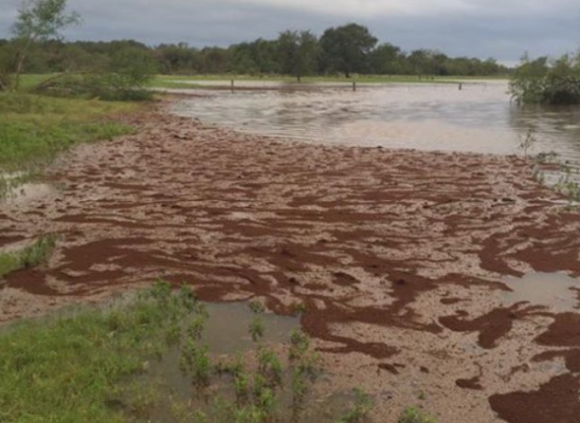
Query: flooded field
(422, 276)
(478, 118)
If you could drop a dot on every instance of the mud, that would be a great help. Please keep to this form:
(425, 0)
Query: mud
(397, 256)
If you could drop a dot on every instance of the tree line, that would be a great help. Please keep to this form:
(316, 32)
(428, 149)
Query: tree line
(346, 50)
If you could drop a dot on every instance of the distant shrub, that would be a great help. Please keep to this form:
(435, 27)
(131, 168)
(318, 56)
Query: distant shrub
(104, 86)
(545, 81)
(123, 79)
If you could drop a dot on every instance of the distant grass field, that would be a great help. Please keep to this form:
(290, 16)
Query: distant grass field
(181, 81)
(33, 129)
(187, 81)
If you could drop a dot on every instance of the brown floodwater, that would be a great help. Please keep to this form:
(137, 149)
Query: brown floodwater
(479, 118)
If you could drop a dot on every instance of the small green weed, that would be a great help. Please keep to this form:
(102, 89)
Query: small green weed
(414, 415)
(363, 404)
(28, 257)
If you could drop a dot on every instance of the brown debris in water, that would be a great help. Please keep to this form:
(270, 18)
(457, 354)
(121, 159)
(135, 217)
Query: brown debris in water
(555, 402)
(391, 253)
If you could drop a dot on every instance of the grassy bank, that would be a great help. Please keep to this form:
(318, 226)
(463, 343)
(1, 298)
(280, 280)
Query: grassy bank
(33, 129)
(30, 256)
(70, 369)
(96, 365)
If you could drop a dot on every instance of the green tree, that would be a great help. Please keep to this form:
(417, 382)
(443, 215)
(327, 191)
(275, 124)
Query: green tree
(298, 53)
(241, 60)
(38, 20)
(545, 81)
(346, 48)
(215, 60)
(387, 59)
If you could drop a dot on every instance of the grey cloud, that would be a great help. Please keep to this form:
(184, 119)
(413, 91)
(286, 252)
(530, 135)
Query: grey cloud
(503, 29)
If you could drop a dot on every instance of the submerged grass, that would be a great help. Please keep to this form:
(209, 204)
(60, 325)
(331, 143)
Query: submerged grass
(31, 256)
(91, 365)
(33, 129)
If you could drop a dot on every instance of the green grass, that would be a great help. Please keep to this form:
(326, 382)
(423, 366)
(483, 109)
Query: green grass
(33, 129)
(71, 368)
(91, 365)
(31, 256)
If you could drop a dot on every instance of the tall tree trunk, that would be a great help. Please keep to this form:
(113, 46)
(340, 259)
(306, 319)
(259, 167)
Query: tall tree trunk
(19, 61)
(19, 64)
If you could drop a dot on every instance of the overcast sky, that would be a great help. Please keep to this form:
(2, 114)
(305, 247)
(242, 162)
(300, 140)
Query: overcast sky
(503, 29)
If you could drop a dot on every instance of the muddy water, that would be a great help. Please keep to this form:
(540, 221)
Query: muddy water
(479, 118)
(226, 334)
(15, 189)
(30, 192)
(555, 291)
(397, 255)
(226, 331)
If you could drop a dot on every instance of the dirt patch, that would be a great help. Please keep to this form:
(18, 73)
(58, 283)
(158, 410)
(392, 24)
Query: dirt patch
(394, 256)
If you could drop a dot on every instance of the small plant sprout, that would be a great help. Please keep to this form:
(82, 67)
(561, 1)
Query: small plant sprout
(300, 357)
(173, 333)
(232, 368)
(195, 362)
(298, 393)
(161, 291)
(363, 404)
(242, 387)
(257, 328)
(299, 345)
(269, 367)
(196, 327)
(527, 142)
(264, 397)
(414, 415)
(298, 308)
(569, 186)
(257, 307)
(188, 297)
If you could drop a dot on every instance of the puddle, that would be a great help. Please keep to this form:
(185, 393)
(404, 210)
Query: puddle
(226, 333)
(14, 188)
(29, 192)
(555, 291)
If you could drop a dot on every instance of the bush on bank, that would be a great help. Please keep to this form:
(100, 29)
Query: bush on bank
(547, 82)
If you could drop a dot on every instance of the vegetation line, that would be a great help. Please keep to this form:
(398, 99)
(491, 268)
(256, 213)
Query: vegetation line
(33, 129)
(28, 257)
(92, 365)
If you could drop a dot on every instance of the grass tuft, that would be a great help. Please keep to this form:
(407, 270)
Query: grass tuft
(31, 256)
